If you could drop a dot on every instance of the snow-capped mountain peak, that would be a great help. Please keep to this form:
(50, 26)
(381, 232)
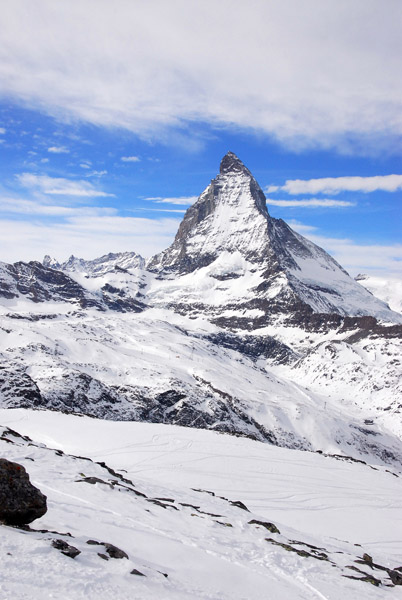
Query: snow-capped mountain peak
(229, 216)
(228, 234)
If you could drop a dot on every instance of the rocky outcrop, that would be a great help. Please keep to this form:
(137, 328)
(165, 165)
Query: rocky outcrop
(20, 501)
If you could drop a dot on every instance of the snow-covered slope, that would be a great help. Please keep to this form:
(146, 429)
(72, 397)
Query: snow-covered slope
(160, 367)
(388, 290)
(198, 514)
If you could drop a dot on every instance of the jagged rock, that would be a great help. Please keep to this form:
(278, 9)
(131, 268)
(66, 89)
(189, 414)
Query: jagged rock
(239, 504)
(17, 388)
(65, 548)
(20, 501)
(93, 480)
(270, 526)
(137, 572)
(113, 551)
(395, 576)
(254, 346)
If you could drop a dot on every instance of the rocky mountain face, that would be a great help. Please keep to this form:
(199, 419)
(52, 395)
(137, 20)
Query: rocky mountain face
(230, 255)
(241, 325)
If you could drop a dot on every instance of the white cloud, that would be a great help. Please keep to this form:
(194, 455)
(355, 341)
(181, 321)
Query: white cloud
(85, 166)
(169, 210)
(31, 207)
(310, 203)
(301, 227)
(86, 236)
(97, 173)
(335, 185)
(363, 258)
(307, 73)
(182, 200)
(130, 158)
(58, 150)
(59, 186)
(2, 130)
(383, 260)
(44, 160)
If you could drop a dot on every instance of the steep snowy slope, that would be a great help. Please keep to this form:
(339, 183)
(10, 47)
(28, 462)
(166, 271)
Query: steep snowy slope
(198, 515)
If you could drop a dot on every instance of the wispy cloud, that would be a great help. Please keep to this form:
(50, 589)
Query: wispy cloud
(381, 259)
(168, 210)
(335, 185)
(182, 200)
(2, 130)
(97, 173)
(297, 86)
(30, 207)
(58, 150)
(301, 227)
(310, 203)
(363, 258)
(58, 186)
(130, 158)
(84, 235)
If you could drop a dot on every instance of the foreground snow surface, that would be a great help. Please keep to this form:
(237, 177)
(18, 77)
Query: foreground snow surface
(203, 542)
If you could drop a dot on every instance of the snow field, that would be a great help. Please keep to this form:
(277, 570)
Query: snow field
(313, 499)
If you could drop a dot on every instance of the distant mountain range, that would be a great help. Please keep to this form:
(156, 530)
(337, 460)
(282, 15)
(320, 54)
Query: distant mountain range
(242, 326)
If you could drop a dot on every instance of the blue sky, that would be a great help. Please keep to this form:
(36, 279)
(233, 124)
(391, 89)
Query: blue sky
(114, 117)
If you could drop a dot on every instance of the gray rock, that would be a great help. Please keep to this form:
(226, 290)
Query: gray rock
(20, 501)
(395, 577)
(115, 552)
(137, 572)
(66, 549)
(270, 526)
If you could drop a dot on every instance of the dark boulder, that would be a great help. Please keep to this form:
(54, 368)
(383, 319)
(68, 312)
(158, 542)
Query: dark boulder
(20, 501)
(396, 576)
(270, 526)
(66, 549)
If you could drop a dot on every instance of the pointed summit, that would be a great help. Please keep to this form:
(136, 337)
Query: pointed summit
(231, 163)
(235, 258)
(229, 216)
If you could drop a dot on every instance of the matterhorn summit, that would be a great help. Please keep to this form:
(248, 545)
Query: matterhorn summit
(229, 216)
(229, 254)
